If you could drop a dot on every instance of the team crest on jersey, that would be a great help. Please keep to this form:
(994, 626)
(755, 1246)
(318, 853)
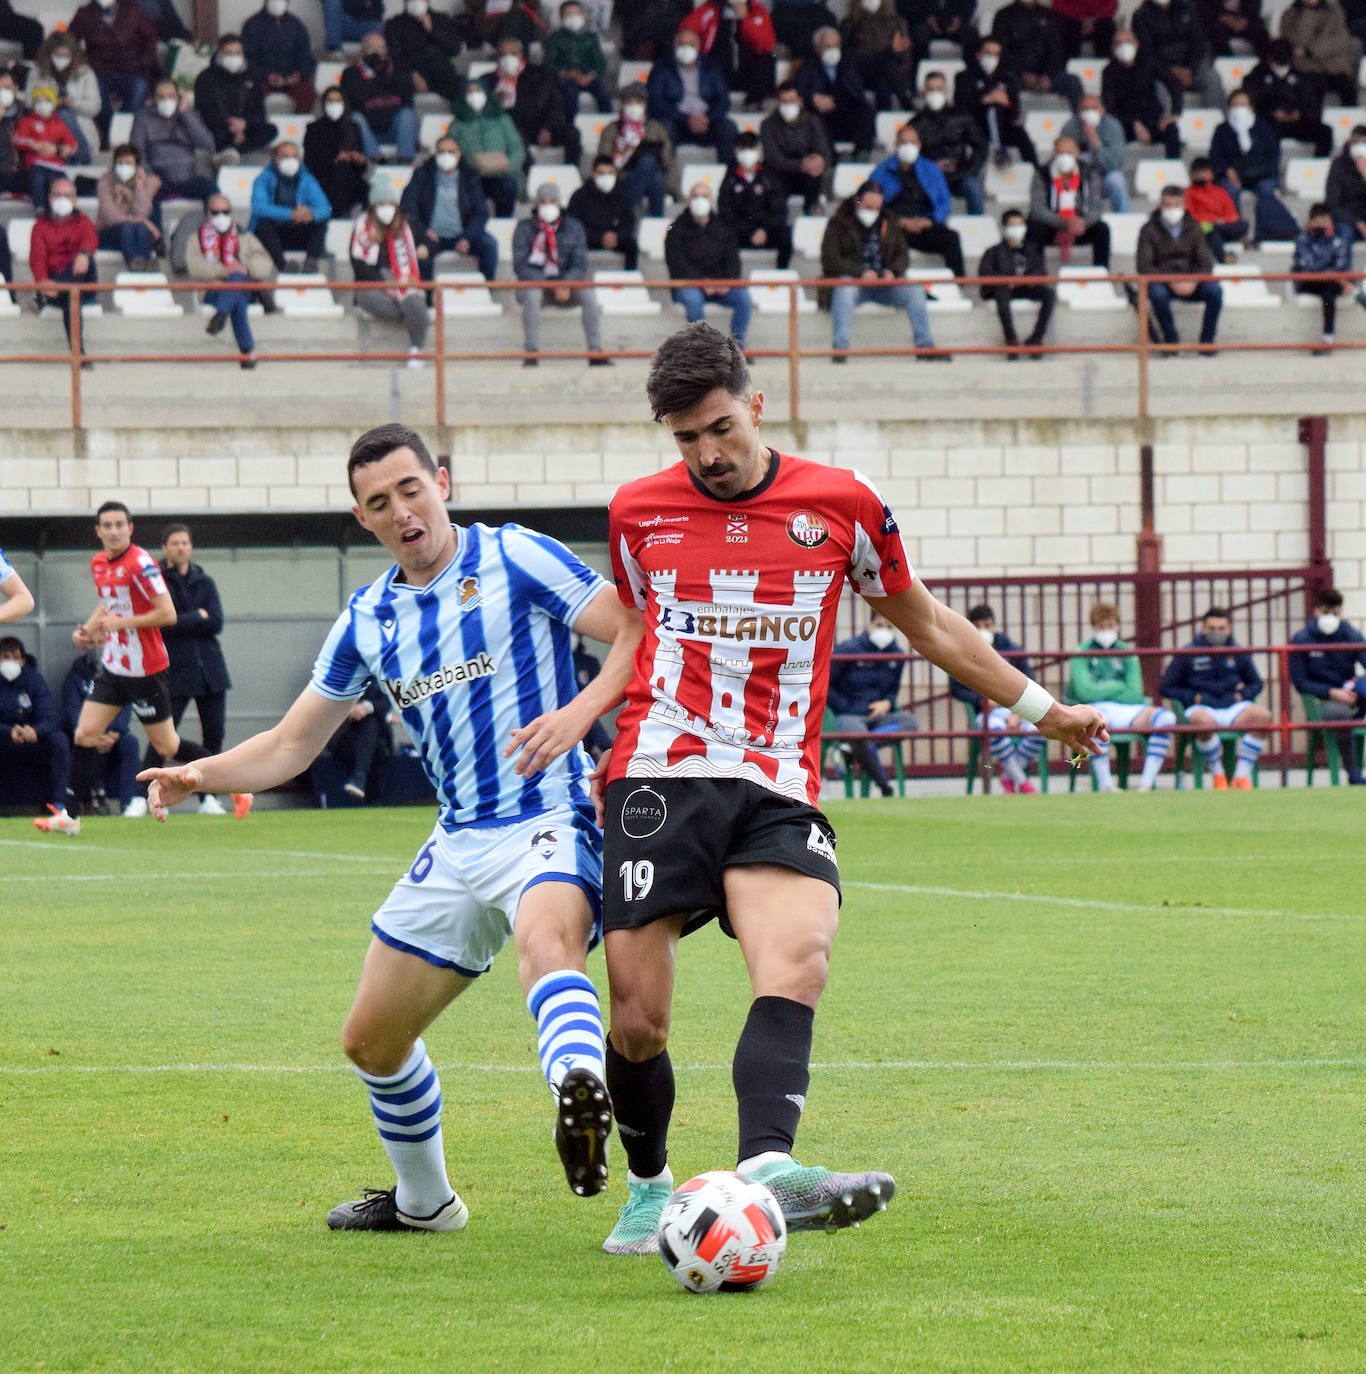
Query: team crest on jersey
(470, 594)
(737, 529)
(807, 529)
(643, 813)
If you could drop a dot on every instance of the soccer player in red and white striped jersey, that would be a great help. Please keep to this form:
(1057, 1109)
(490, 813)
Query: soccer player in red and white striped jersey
(737, 555)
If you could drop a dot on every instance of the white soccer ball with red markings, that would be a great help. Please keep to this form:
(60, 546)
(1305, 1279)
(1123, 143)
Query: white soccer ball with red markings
(721, 1233)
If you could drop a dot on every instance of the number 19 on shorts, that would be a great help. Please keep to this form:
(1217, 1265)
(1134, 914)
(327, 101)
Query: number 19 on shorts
(636, 878)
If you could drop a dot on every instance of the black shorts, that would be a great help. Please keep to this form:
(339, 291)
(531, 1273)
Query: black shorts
(149, 697)
(668, 841)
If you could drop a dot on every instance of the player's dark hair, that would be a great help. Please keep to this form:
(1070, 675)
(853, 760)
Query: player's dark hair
(1201, 164)
(1318, 210)
(10, 643)
(689, 365)
(981, 612)
(1329, 599)
(786, 86)
(1217, 613)
(375, 445)
(1011, 216)
(113, 505)
(748, 139)
(175, 527)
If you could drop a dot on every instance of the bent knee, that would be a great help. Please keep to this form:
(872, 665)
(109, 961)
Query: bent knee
(639, 1032)
(373, 1053)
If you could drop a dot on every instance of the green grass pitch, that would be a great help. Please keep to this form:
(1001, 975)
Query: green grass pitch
(1111, 1048)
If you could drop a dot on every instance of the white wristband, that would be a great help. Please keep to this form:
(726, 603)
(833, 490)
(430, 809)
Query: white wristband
(1034, 704)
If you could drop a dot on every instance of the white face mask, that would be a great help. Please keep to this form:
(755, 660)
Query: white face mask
(907, 153)
(222, 221)
(936, 100)
(700, 207)
(1172, 215)
(108, 4)
(549, 212)
(867, 217)
(334, 109)
(447, 162)
(275, 8)
(476, 100)
(880, 637)
(988, 636)
(1106, 638)
(62, 206)
(789, 111)
(989, 61)
(10, 668)
(125, 171)
(1328, 623)
(6, 97)
(417, 8)
(1355, 149)
(633, 113)
(233, 62)
(60, 61)
(385, 213)
(1064, 164)
(288, 167)
(574, 23)
(831, 57)
(1091, 118)
(509, 64)
(167, 108)
(1014, 234)
(43, 108)
(1280, 72)
(606, 182)
(1240, 117)
(872, 6)
(685, 54)
(1126, 52)
(748, 158)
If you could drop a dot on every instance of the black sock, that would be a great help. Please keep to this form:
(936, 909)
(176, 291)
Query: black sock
(81, 778)
(643, 1102)
(771, 1073)
(189, 751)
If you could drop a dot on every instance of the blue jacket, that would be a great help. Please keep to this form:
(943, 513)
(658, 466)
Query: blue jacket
(1331, 253)
(856, 683)
(1218, 679)
(1003, 644)
(28, 701)
(419, 198)
(1260, 162)
(1315, 674)
(664, 91)
(889, 174)
(309, 193)
(279, 45)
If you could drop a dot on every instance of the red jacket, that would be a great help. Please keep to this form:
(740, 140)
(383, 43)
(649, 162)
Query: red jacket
(1210, 204)
(755, 32)
(1086, 9)
(56, 242)
(32, 129)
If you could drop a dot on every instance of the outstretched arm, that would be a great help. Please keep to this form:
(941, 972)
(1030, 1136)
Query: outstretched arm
(18, 600)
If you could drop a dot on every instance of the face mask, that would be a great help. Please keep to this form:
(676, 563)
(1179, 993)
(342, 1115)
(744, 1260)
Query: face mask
(385, 213)
(509, 64)
(548, 213)
(447, 162)
(1280, 72)
(6, 97)
(60, 61)
(831, 57)
(275, 8)
(1064, 164)
(748, 158)
(685, 55)
(125, 171)
(574, 23)
(476, 100)
(233, 62)
(1091, 118)
(633, 113)
(872, 6)
(906, 153)
(62, 206)
(10, 668)
(167, 108)
(1355, 149)
(334, 109)
(1216, 641)
(43, 108)
(989, 61)
(789, 111)
(1240, 117)
(606, 182)
(1106, 638)
(1172, 215)
(988, 636)
(1014, 234)
(881, 637)
(1126, 52)
(417, 8)
(373, 60)
(108, 4)
(221, 221)
(936, 100)
(1327, 624)
(288, 167)
(700, 207)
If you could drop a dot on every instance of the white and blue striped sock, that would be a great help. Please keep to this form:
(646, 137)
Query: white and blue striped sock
(1029, 747)
(1249, 751)
(1214, 754)
(1155, 749)
(565, 1005)
(1100, 772)
(1006, 757)
(407, 1108)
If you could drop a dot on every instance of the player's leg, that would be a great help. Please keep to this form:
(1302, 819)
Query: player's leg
(1207, 742)
(1253, 720)
(1004, 751)
(157, 720)
(94, 719)
(1159, 720)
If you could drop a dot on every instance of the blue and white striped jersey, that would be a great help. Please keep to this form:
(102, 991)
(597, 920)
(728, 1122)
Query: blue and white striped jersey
(6, 567)
(466, 660)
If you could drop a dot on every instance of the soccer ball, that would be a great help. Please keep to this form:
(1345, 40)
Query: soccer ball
(722, 1233)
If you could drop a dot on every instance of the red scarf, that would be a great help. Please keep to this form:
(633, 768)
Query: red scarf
(220, 246)
(1066, 195)
(630, 135)
(506, 89)
(366, 242)
(544, 251)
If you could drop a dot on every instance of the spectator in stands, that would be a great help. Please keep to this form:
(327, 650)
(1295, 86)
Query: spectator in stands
(1086, 21)
(45, 143)
(126, 217)
(1170, 36)
(649, 26)
(445, 205)
(170, 26)
(574, 53)
(334, 152)
(62, 249)
(379, 93)
(347, 21)
(1065, 204)
(743, 46)
(1213, 210)
(222, 252)
(289, 211)
(1018, 256)
(280, 53)
(865, 243)
(114, 781)
(642, 152)
(701, 245)
(1224, 21)
(19, 28)
(1115, 686)
(14, 180)
(796, 23)
(1347, 187)
(121, 46)
(954, 141)
(1291, 101)
(796, 148)
(427, 43)
(1011, 755)
(1171, 243)
(521, 20)
(531, 96)
(1329, 673)
(32, 745)
(863, 693)
(878, 41)
(1322, 45)
(1100, 140)
(230, 101)
(830, 85)
(1134, 91)
(1218, 690)
(1245, 155)
(489, 138)
(1321, 248)
(1031, 36)
(752, 201)
(174, 144)
(61, 64)
(604, 209)
(989, 90)
(550, 246)
(688, 98)
(383, 249)
(917, 196)
(359, 741)
(945, 21)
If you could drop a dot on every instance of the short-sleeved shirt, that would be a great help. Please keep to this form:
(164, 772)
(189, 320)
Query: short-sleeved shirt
(740, 599)
(482, 650)
(128, 585)
(6, 567)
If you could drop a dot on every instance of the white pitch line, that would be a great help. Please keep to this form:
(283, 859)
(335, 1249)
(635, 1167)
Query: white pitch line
(236, 875)
(1093, 904)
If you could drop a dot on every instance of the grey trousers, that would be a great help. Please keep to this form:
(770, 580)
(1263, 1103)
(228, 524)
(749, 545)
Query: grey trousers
(411, 311)
(531, 316)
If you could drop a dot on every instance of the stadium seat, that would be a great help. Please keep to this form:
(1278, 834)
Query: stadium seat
(849, 176)
(1088, 71)
(501, 230)
(431, 127)
(888, 122)
(772, 298)
(624, 293)
(236, 183)
(1232, 71)
(590, 127)
(650, 233)
(20, 231)
(1332, 743)
(480, 68)
(1197, 128)
(946, 296)
(153, 301)
(1307, 177)
(690, 174)
(1124, 232)
(1153, 173)
(399, 175)
(121, 127)
(338, 241)
(565, 176)
(1343, 119)
(1044, 126)
(466, 294)
(8, 309)
(630, 72)
(977, 233)
(328, 74)
(291, 127)
(1244, 287)
(1009, 185)
(1088, 288)
(807, 232)
(304, 296)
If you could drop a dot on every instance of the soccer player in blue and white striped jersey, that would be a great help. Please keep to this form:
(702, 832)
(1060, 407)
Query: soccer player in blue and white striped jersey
(470, 636)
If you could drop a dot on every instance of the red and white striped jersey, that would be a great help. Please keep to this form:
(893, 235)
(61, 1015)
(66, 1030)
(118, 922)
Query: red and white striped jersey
(740, 600)
(127, 586)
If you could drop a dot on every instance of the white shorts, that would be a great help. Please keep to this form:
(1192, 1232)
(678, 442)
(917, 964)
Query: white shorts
(1118, 716)
(1224, 716)
(457, 904)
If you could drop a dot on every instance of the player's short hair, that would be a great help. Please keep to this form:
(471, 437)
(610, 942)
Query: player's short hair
(1329, 599)
(981, 612)
(1318, 210)
(113, 505)
(175, 527)
(375, 445)
(1104, 610)
(10, 643)
(1217, 613)
(692, 363)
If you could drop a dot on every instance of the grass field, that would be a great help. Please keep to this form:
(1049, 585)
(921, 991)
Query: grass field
(1111, 1048)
